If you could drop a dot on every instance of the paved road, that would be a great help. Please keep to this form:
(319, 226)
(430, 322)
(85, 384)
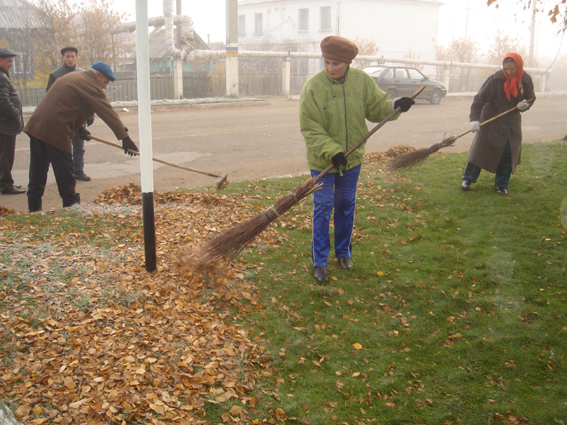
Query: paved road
(256, 140)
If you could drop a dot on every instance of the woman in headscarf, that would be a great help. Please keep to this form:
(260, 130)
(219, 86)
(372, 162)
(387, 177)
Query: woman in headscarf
(497, 146)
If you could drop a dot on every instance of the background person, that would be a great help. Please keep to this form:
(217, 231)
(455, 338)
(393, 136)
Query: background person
(69, 57)
(497, 146)
(60, 114)
(334, 106)
(11, 124)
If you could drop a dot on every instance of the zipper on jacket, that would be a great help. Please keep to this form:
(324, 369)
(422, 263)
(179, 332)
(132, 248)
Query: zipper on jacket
(346, 122)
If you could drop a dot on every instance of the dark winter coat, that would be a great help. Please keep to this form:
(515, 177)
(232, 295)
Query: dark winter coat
(11, 121)
(59, 72)
(66, 106)
(489, 143)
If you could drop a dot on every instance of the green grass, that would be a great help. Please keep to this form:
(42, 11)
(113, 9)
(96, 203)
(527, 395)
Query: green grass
(457, 300)
(455, 312)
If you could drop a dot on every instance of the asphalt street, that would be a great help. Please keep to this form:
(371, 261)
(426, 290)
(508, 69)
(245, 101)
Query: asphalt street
(257, 139)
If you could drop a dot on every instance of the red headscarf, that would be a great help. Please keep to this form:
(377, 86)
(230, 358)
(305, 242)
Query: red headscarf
(511, 85)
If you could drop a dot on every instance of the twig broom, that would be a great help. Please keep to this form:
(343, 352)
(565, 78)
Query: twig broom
(415, 158)
(231, 242)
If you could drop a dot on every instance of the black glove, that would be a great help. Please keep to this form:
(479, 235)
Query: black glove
(339, 159)
(90, 121)
(127, 143)
(404, 103)
(84, 133)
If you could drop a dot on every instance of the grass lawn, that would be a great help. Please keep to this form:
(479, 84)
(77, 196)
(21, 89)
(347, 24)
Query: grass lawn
(455, 312)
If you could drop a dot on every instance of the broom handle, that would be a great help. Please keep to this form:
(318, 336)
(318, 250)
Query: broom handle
(370, 133)
(116, 145)
(492, 119)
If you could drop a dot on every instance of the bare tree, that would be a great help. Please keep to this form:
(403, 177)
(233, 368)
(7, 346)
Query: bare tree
(502, 44)
(96, 39)
(556, 10)
(367, 47)
(56, 29)
(463, 50)
(414, 55)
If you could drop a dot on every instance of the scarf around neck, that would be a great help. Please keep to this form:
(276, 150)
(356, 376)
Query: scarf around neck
(511, 85)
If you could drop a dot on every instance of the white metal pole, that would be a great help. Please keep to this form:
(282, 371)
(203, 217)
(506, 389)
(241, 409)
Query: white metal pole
(145, 128)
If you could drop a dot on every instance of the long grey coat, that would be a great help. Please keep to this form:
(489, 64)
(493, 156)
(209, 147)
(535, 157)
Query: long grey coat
(489, 143)
(71, 100)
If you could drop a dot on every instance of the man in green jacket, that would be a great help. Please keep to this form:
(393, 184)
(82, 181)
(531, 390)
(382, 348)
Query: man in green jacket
(334, 106)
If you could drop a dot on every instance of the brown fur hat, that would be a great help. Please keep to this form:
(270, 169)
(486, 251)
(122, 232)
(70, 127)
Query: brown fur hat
(338, 49)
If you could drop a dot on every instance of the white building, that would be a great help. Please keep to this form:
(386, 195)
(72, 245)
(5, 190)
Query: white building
(396, 26)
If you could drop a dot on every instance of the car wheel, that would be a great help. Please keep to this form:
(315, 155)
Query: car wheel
(435, 97)
(392, 93)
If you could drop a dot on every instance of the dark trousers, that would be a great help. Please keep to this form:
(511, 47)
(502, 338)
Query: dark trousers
(7, 154)
(41, 156)
(338, 193)
(78, 153)
(503, 171)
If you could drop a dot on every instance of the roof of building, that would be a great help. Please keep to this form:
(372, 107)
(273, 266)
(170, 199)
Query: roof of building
(17, 14)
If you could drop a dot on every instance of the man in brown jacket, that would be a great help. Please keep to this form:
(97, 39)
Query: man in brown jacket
(61, 113)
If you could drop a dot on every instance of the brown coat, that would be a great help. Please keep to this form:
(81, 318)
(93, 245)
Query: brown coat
(70, 101)
(489, 143)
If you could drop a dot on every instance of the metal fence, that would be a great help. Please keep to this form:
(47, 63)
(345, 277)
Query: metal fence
(279, 73)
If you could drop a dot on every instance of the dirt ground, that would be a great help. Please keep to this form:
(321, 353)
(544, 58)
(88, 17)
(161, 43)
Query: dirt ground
(255, 139)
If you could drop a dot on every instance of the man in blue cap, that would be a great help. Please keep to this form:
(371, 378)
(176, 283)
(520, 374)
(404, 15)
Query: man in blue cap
(70, 101)
(11, 124)
(69, 57)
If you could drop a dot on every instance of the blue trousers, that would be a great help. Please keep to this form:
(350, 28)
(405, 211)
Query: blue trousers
(338, 193)
(503, 171)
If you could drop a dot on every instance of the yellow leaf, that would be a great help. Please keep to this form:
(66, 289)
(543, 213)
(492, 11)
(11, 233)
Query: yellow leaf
(357, 346)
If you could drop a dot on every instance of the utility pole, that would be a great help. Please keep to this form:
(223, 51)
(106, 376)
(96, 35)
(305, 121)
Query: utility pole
(232, 48)
(532, 34)
(178, 61)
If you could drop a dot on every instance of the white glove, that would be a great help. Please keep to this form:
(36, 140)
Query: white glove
(475, 126)
(523, 105)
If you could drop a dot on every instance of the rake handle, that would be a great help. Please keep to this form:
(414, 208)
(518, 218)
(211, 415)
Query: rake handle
(370, 133)
(492, 119)
(116, 145)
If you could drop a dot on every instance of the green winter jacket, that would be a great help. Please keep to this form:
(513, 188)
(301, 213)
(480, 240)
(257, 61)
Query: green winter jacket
(332, 116)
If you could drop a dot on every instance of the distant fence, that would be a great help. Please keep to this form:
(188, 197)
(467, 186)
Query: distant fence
(284, 73)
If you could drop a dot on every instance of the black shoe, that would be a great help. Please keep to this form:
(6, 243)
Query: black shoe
(82, 176)
(13, 191)
(346, 263)
(321, 274)
(466, 185)
(501, 191)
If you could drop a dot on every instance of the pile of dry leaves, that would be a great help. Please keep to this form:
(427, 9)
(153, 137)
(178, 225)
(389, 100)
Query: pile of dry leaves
(89, 336)
(115, 343)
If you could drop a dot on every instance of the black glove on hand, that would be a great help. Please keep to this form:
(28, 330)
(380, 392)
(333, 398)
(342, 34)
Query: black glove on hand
(404, 103)
(127, 143)
(90, 121)
(84, 133)
(339, 159)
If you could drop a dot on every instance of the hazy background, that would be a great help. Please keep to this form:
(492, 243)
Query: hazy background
(458, 19)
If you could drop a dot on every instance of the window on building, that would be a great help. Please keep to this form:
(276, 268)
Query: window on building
(258, 26)
(242, 24)
(325, 18)
(303, 19)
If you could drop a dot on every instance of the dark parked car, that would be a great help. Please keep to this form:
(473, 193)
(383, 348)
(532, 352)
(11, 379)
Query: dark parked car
(399, 81)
